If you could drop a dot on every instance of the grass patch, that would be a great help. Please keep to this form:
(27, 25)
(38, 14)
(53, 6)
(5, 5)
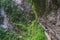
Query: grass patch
(34, 31)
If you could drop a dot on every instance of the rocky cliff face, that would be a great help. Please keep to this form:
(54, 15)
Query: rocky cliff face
(52, 23)
(52, 19)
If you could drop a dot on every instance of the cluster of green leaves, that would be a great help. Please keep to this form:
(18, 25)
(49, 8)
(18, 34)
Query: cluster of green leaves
(8, 35)
(33, 31)
(15, 13)
(29, 29)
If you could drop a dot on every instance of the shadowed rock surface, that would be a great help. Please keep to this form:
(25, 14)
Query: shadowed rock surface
(5, 22)
(52, 23)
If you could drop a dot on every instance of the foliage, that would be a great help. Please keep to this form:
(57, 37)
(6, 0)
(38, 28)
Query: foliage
(36, 32)
(15, 13)
(32, 31)
(42, 7)
(8, 35)
(39, 6)
(29, 29)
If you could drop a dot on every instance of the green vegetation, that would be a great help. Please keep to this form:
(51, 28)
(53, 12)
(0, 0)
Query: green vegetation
(8, 35)
(39, 6)
(36, 32)
(30, 32)
(28, 27)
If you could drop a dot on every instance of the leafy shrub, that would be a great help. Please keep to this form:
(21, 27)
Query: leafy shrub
(29, 29)
(33, 31)
(36, 32)
(8, 35)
